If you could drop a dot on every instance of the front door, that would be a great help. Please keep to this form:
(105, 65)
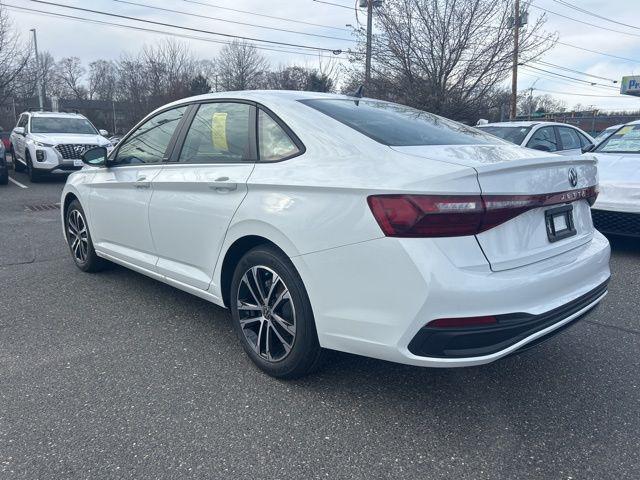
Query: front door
(120, 194)
(196, 195)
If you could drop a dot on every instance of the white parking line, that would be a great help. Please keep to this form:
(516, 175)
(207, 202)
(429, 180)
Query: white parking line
(17, 183)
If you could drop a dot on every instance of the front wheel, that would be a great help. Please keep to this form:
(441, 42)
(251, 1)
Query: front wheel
(34, 175)
(79, 240)
(272, 314)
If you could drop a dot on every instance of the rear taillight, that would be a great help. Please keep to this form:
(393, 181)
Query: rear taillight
(459, 215)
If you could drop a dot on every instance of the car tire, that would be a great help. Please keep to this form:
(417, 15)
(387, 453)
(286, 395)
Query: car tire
(274, 320)
(18, 166)
(78, 237)
(34, 175)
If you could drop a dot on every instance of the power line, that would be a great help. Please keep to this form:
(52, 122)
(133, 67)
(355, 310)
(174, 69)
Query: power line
(197, 30)
(571, 78)
(583, 22)
(162, 32)
(580, 94)
(574, 71)
(597, 15)
(537, 74)
(284, 19)
(605, 54)
(334, 4)
(198, 15)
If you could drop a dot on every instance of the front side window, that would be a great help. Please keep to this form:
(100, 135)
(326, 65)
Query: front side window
(398, 125)
(510, 134)
(544, 139)
(149, 142)
(219, 133)
(273, 141)
(569, 138)
(625, 140)
(22, 121)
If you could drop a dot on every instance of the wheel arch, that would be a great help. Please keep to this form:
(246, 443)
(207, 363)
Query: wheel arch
(241, 238)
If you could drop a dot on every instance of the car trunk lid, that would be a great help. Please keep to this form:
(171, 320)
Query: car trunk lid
(511, 172)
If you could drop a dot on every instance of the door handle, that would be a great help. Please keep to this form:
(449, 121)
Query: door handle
(222, 185)
(141, 183)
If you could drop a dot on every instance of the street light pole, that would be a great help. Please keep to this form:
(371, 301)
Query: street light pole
(39, 76)
(514, 75)
(367, 67)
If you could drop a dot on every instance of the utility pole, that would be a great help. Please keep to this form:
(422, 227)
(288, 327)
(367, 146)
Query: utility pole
(514, 75)
(367, 67)
(40, 86)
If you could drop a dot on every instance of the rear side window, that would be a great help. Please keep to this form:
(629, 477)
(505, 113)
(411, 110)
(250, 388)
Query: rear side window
(397, 125)
(219, 133)
(510, 134)
(274, 142)
(569, 138)
(544, 139)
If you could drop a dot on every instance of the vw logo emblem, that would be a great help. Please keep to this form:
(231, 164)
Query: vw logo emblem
(573, 177)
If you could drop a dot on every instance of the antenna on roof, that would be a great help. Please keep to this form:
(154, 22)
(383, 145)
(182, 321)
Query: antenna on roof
(358, 93)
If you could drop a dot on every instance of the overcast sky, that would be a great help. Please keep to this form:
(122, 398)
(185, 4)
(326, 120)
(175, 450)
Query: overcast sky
(67, 37)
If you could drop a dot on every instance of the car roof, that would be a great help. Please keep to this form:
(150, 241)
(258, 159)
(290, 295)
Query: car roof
(54, 114)
(531, 123)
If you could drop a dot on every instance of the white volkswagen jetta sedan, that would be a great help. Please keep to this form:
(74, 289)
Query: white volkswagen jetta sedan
(328, 221)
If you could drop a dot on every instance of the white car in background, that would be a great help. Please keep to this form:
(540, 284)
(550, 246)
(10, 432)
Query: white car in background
(617, 210)
(52, 143)
(552, 137)
(329, 221)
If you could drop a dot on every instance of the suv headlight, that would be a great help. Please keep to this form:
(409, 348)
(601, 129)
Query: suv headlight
(42, 144)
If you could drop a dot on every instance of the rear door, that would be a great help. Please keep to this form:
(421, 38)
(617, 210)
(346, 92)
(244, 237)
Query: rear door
(198, 191)
(19, 141)
(570, 143)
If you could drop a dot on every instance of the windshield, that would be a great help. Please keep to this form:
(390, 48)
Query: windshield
(62, 125)
(510, 134)
(625, 140)
(397, 125)
(605, 134)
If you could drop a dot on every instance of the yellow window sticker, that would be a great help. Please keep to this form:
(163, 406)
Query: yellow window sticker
(624, 130)
(219, 131)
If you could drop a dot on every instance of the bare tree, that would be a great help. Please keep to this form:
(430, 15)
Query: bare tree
(70, 73)
(539, 104)
(170, 67)
(102, 80)
(446, 56)
(14, 57)
(240, 67)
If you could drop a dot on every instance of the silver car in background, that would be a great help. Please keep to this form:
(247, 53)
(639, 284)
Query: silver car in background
(560, 138)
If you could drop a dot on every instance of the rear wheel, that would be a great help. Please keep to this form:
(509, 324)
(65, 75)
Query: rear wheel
(18, 166)
(79, 240)
(272, 314)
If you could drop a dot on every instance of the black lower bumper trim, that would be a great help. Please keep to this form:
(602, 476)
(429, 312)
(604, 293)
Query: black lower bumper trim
(616, 223)
(509, 329)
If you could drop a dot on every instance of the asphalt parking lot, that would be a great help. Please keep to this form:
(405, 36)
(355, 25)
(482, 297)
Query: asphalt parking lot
(115, 375)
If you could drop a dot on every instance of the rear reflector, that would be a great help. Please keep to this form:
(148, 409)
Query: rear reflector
(460, 215)
(462, 322)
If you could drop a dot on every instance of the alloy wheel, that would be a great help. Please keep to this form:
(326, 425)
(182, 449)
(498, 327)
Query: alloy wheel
(266, 313)
(78, 236)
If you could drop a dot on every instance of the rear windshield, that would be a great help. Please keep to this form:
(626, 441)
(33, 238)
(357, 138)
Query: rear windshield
(625, 140)
(397, 125)
(510, 134)
(61, 125)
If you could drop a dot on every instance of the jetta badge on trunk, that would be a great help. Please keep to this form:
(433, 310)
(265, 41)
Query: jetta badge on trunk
(573, 177)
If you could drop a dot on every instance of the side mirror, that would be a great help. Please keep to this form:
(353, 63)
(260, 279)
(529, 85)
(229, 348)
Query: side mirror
(588, 148)
(19, 130)
(103, 132)
(96, 156)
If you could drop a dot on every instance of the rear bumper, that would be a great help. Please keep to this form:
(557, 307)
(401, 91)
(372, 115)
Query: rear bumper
(376, 297)
(511, 329)
(616, 223)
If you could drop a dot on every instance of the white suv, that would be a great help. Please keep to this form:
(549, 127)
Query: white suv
(46, 143)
